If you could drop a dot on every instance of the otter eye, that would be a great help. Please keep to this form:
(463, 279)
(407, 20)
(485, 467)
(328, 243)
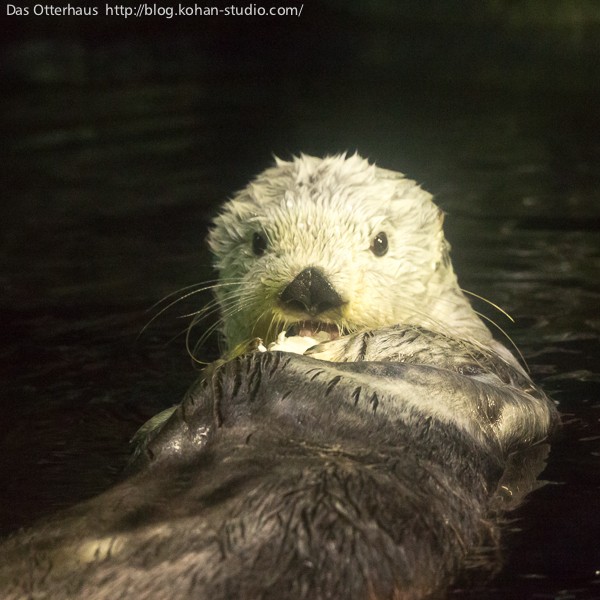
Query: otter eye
(380, 244)
(259, 244)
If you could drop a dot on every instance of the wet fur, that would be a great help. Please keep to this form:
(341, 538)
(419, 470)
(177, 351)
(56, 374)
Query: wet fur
(325, 213)
(376, 467)
(284, 476)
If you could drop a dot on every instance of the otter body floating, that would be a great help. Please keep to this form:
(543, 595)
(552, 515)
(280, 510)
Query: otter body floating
(375, 465)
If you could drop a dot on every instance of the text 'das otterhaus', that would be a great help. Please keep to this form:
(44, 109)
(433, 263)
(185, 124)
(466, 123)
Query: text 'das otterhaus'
(144, 9)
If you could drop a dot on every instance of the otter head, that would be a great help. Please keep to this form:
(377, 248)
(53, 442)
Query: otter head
(336, 245)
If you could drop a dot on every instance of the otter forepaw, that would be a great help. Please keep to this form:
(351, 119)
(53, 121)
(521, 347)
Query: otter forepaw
(333, 351)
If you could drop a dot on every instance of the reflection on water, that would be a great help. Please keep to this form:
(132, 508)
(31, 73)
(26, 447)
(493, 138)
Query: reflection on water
(110, 192)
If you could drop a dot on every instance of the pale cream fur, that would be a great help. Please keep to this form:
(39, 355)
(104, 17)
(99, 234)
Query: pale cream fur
(325, 213)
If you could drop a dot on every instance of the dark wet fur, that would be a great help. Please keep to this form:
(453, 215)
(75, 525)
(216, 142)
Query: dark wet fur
(307, 482)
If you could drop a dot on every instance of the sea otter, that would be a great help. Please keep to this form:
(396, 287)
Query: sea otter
(340, 245)
(372, 462)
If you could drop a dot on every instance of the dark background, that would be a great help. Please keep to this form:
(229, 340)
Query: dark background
(121, 137)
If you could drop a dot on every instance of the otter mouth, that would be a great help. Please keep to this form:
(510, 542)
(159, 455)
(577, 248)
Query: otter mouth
(303, 335)
(313, 329)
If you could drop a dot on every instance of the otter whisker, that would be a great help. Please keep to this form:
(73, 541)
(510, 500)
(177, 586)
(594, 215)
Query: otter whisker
(276, 325)
(234, 304)
(505, 334)
(203, 288)
(177, 335)
(257, 322)
(210, 310)
(454, 302)
(192, 351)
(183, 289)
(482, 298)
(206, 311)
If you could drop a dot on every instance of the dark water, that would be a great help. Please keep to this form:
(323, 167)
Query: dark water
(108, 188)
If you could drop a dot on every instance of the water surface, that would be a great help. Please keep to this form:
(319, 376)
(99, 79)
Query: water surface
(108, 193)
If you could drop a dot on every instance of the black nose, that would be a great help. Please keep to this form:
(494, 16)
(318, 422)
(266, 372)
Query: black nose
(311, 293)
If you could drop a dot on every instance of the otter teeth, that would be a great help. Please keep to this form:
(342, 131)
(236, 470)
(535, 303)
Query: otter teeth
(300, 343)
(315, 329)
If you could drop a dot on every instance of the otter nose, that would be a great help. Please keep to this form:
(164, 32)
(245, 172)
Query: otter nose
(310, 292)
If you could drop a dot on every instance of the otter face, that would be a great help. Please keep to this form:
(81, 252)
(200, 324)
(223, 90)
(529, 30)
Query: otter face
(335, 245)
